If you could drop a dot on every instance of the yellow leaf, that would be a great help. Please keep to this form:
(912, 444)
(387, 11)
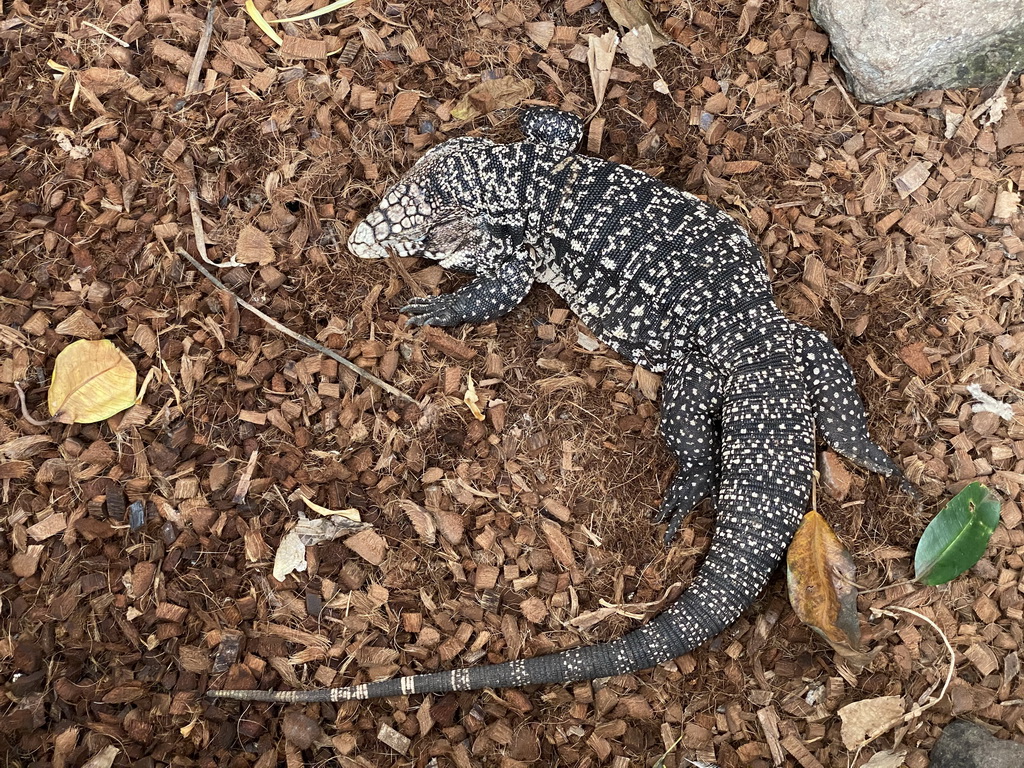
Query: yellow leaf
(92, 380)
(313, 14)
(261, 22)
(821, 584)
(471, 399)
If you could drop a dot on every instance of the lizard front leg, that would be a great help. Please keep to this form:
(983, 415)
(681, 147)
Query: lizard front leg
(485, 298)
(690, 414)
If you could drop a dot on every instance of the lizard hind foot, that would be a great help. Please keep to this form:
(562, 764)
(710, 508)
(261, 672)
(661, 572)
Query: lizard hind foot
(684, 493)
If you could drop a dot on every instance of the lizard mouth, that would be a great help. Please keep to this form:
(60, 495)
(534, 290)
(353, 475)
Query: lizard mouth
(364, 244)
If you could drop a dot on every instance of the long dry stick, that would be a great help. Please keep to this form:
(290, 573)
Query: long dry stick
(297, 336)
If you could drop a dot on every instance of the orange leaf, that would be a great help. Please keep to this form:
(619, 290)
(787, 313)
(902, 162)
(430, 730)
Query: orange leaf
(92, 380)
(821, 584)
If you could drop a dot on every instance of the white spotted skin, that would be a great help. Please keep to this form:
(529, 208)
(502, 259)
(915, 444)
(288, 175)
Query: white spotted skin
(670, 283)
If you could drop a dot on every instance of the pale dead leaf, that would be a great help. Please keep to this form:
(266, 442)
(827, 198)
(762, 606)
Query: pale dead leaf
(632, 14)
(104, 758)
(600, 56)
(887, 759)
(863, 720)
(1007, 201)
(290, 557)
(291, 552)
(638, 44)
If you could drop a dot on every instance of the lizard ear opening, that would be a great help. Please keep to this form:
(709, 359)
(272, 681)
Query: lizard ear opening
(551, 126)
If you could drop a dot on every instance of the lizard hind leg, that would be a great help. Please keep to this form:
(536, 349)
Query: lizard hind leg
(838, 409)
(690, 414)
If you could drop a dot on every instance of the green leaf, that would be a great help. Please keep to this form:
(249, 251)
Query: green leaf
(956, 539)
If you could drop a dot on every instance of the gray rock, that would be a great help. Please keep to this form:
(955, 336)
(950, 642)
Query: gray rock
(891, 49)
(966, 745)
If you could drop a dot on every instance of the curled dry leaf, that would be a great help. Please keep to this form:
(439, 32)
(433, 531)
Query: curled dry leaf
(821, 575)
(864, 720)
(92, 380)
(472, 400)
(600, 56)
(349, 514)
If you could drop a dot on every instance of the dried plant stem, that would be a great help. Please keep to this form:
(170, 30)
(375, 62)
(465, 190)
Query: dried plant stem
(297, 336)
(192, 84)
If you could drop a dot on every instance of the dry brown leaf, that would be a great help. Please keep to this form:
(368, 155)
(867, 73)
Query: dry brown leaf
(863, 720)
(747, 16)
(559, 545)
(422, 521)
(92, 380)
(254, 246)
(600, 57)
(501, 93)
(821, 584)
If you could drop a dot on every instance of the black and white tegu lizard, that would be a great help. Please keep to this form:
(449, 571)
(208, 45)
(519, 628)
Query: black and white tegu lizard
(671, 284)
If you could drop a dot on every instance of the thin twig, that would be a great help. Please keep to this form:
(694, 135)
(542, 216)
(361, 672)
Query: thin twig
(102, 31)
(297, 336)
(24, 409)
(918, 709)
(192, 84)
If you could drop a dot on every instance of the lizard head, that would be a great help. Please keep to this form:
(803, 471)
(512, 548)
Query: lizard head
(400, 223)
(432, 212)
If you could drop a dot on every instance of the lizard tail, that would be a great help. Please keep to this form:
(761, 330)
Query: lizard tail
(767, 455)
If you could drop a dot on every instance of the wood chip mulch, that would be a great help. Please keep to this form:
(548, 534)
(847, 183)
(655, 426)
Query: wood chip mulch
(136, 554)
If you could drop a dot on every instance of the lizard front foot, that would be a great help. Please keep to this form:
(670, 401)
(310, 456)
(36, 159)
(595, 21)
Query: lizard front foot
(440, 310)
